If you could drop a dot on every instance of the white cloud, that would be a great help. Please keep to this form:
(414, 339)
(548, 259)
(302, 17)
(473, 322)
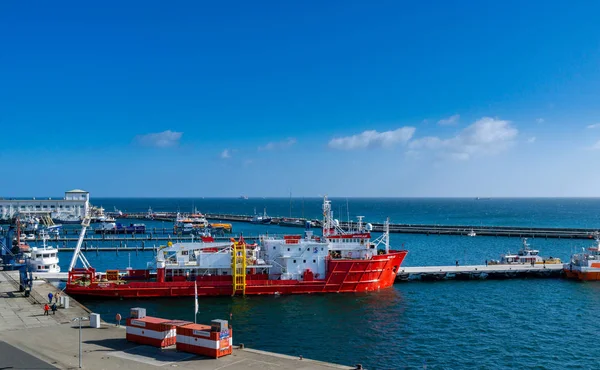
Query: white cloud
(373, 139)
(226, 154)
(595, 125)
(595, 146)
(275, 145)
(539, 120)
(450, 120)
(163, 139)
(531, 140)
(485, 136)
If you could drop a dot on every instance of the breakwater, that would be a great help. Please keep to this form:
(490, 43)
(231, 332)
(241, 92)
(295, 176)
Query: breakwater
(425, 229)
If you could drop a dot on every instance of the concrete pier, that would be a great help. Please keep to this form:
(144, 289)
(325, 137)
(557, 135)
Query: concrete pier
(31, 340)
(478, 272)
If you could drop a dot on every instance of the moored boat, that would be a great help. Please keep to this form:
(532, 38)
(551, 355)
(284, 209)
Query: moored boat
(292, 222)
(261, 219)
(584, 266)
(338, 261)
(525, 256)
(44, 259)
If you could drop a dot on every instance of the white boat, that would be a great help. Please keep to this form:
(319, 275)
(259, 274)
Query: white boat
(67, 218)
(30, 224)
(188, 223)
(44, 259)
(30, 237)
(52, 230)
(525, 256)
(472, 233)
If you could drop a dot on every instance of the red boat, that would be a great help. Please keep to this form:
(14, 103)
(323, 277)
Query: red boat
(339, 261)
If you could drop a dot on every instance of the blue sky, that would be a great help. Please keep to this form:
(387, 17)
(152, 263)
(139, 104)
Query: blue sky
(347, 98)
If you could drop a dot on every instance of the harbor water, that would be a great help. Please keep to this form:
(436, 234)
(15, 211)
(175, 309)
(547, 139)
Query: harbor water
(522, 323)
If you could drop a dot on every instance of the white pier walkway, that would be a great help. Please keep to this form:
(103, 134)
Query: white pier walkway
(479, 272)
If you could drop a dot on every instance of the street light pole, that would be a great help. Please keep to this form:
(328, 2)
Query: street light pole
(79, 319)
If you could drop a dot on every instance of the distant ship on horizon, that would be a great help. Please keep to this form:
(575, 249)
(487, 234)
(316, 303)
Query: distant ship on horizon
(480, 198)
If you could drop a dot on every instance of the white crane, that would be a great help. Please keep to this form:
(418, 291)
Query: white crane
(77, 253)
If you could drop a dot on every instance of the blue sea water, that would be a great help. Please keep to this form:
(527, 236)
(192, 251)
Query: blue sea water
(523, 323)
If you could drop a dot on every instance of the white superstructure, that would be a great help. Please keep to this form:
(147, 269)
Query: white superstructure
(75, 204)
(44, 259)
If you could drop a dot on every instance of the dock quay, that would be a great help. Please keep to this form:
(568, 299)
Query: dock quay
(479, 272)
(31, 340)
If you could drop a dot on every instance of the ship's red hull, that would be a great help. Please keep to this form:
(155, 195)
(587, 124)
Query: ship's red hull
(344, 276)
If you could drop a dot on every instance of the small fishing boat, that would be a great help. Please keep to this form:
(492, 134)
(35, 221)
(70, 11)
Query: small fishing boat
(261, 219)
(472, 233)
(525, 256)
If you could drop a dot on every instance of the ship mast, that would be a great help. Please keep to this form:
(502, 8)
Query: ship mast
(387, 235)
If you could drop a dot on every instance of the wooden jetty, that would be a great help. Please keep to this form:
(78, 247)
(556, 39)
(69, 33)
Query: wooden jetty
(479, 272)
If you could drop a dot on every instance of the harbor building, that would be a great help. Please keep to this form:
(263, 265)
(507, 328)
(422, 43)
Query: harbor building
(74, 205)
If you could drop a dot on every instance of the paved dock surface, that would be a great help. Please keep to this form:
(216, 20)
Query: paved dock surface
(30, 340)
(474, 272)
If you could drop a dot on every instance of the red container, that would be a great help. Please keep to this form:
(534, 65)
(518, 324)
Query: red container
(153, 331)
(198, 339)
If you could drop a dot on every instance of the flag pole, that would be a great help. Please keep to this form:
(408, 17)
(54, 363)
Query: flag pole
(195, 300)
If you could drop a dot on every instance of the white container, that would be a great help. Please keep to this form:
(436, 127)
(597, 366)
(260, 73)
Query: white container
(65, 301)
(95, 320)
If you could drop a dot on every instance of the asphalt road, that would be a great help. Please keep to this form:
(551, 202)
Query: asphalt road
(13, 358)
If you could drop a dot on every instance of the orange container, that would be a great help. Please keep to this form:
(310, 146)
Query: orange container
(200, 340)
(153, 331)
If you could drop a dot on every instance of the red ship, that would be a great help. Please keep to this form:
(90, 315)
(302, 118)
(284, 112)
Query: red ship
(339, 261)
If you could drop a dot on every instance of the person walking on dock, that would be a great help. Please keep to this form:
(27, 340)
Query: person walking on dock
(50, 295)
(56, 297)
(118, 318)
(53, 308)
(46, 308)
(456, 263)
(486, 262)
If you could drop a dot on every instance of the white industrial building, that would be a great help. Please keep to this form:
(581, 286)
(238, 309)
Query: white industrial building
(74, 205)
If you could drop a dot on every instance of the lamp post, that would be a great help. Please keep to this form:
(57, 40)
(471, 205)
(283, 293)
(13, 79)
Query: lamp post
(79, 319)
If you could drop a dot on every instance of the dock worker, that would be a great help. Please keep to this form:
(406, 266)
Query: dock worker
(50, 295)
(46, 308)
(118, 318)
(53, 308)
(56, 297)
(456, 263)
(486, 262)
